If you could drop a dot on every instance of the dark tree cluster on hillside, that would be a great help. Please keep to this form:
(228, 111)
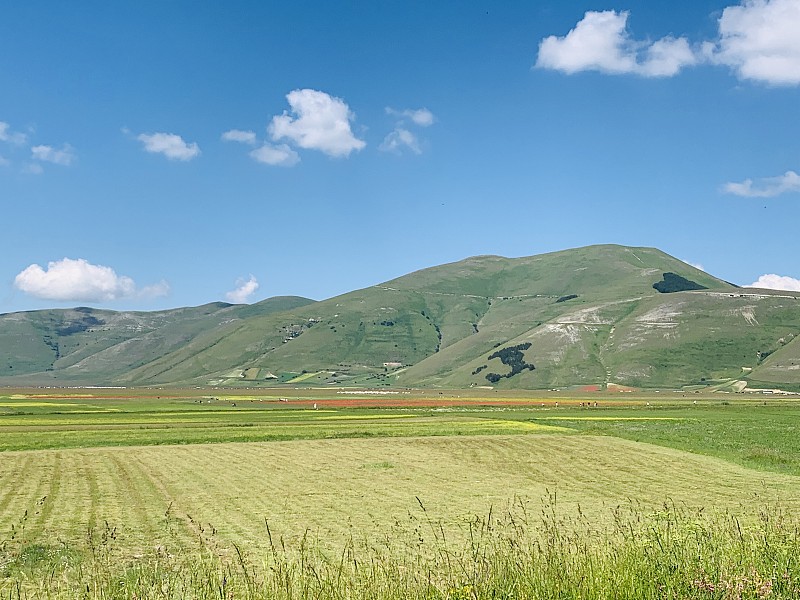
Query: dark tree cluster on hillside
(78, 325)
(567, 297)
(54, 347)
(675, 283)
(513, 357)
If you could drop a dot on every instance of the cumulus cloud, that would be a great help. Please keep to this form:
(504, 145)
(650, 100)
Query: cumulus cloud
(237, 135)
(317, 121)
(766, 187)
(170, 145)
(760, 40)
(399, 139)
(64, 157)
(244, 289)
(601, 42)
(277, 155)
(11, 137)
(666, 57)
(777, 282)
(79, 280)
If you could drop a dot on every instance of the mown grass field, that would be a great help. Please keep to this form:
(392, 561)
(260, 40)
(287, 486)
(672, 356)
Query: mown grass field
(157, 475)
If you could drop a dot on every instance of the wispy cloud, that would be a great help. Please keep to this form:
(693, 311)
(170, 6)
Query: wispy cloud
(245, 288)
(11, 137)
(238, 135)
(32, 169)
(157, 290)
(79, 280)
(766, 187)
(170, 145)
(401, 137)
(277, 155)
(420, 116)
(398, 139)
(317, 121)
(64, 157)
(17, 143)
(777, 282)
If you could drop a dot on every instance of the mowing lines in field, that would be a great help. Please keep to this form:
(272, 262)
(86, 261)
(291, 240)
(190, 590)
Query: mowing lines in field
(67, 493)
(180, 525)
(362, 488)
(15, 477)
(27, 487)
(44, 505)
(139, 498)
(72, 503)
(328, 487)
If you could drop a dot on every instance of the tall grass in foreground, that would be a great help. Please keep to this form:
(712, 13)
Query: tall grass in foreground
(671, 553)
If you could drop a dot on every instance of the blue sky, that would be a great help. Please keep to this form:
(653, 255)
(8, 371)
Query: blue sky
(161, 154)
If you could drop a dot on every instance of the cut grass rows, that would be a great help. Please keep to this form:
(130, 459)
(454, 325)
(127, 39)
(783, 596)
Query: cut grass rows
(147, 516)
(340, 488)
(61, 495)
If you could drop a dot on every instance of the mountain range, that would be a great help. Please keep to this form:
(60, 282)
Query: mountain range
(597, 317)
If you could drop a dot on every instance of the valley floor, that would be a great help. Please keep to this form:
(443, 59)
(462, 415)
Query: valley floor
(235, 476)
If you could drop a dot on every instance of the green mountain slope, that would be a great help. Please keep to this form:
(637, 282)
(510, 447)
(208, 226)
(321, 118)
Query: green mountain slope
(600, 315)
(86, 345)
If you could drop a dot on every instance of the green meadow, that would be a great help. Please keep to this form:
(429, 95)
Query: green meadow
(314, 494)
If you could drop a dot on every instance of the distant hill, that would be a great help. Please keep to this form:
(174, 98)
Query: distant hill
(85, 345)
(596, 316)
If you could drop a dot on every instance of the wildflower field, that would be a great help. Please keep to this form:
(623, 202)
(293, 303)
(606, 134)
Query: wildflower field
(205, 494)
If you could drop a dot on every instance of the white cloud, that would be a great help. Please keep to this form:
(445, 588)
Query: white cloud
(777, 282)
(170, 145)
(237, 135)
(666, 57)
(277, 155)
(421, 116)
(244, 289)
(401, 138)
(157, 290)
(398, 139)
(6, 135)
(760, 40)
(4, 162)
(601, 42)
(766, 187)
(64, 157)
(78, 280)
(318, 121)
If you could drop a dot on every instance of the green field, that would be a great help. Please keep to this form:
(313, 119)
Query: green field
(94, 484)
